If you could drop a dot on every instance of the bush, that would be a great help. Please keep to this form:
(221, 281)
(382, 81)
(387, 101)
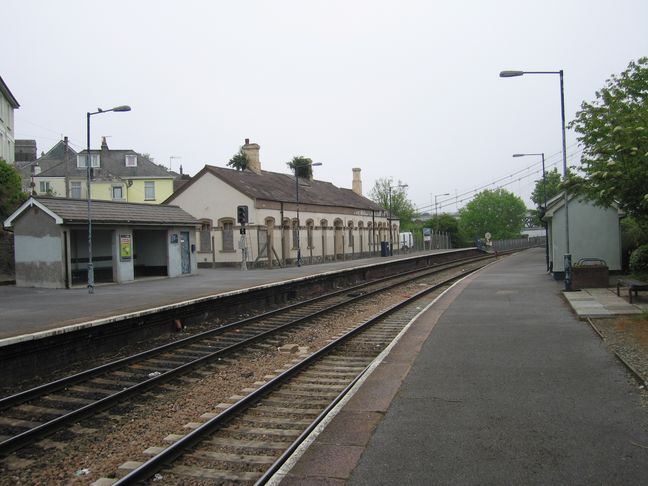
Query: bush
(639, 260)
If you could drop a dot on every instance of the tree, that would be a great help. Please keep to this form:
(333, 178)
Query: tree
(445, 223)
(303, 166)
(401, 207)
(613, 131)
(239, 161)
(11, 194)
(552, 183)
(498, 212)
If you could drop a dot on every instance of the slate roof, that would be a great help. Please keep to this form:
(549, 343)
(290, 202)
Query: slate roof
(111, 212)
(273, 186)
(112, 165)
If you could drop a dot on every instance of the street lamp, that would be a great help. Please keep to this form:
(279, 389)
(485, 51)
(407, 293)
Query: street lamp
(296, 167)
(88, 174)
(544, 190)
(436, 215)
(567, 256)
(391, 245)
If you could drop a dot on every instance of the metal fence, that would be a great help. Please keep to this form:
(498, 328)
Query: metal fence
(518, 243)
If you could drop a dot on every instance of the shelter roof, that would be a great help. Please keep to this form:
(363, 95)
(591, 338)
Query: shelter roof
(70, 211)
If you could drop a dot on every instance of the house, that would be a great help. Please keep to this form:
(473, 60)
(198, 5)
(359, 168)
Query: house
(129, 241)
(8, 104)
(117, 175)
(594, 232)
(324, 223)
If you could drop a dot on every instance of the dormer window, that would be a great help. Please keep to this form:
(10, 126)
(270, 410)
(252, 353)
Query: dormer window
(131, 161)
(82, 158)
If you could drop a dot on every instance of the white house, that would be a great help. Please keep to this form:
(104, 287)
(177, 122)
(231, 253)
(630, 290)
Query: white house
(594, 232)
(326, 223)
(8, 104)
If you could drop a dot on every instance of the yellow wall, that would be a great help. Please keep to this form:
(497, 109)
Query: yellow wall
(135, 193)
(163, 189)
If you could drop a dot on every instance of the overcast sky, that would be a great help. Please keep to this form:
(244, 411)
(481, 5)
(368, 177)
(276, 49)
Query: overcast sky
(402, 89)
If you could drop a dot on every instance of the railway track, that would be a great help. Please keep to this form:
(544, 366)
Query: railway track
(254, 434)
(30, 415)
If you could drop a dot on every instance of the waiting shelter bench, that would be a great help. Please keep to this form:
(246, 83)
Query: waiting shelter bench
(633, 285)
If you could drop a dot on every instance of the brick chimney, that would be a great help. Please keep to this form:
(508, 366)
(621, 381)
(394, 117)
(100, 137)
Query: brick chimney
(104, 144)
(357, 182)
(251, 150)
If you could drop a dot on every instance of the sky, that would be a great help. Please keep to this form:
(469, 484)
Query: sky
(406, 90)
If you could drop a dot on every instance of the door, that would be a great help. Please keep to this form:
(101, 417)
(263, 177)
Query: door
(185, 255)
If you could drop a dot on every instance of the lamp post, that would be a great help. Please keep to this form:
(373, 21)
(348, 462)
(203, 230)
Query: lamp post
(296, 169)
(88, 175)
(436, 215)
(567, 256)
(544, 190)
(391, 245)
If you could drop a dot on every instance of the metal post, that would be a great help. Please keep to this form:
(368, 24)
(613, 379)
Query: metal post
(299, 262)
(88, 170)
(567, 257)
(544, 188)
(390, 223)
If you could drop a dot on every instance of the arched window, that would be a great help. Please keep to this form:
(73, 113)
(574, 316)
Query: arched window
(309, 233)
(350, 225)
(205, 235)
(227, 234)
(295, 233)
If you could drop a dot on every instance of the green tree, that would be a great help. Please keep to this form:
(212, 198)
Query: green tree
(613, 131)
(239, 161)
(303, 166)
(498, 212)
(553, 187)
(401, 207)
(11, 194)
(445, 223)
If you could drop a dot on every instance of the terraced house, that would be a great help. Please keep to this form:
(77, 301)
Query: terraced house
(117, 175)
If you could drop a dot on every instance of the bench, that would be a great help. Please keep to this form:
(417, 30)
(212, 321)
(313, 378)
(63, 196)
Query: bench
(633, 285)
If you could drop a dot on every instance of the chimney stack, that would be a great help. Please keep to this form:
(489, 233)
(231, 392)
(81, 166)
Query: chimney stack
(104, 144)
(251, 150)
(357, 182)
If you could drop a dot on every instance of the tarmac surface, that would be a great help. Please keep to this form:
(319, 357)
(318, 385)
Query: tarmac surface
(498, 383)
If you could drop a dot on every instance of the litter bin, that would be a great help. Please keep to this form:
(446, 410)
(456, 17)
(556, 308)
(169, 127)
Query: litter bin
(384, 248)
(590, 273)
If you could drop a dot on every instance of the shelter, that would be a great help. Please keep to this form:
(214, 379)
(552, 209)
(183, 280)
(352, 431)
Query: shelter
(129, 241)
(594, 232)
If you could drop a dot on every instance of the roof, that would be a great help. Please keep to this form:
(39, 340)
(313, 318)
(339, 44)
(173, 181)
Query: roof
(55, 163)
(4, 89)
(273, 186)
(557, 202)
(70, 211)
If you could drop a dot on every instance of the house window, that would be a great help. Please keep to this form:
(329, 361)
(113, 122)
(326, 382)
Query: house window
(131, 161)
(228, 235)
(82, 158)
(45, 187)
(117, 193)
(309, 234)
(149, 190)
(205, 236)
(295, 234)
(75, 190)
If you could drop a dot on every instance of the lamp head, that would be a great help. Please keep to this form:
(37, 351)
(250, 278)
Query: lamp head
(519, 155)
(510, 74)
(122, 108)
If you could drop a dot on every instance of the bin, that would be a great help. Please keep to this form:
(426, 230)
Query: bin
(384, 248)
(590, 273)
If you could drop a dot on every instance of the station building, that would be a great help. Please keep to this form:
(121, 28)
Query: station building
(129, 241)
(325, 222)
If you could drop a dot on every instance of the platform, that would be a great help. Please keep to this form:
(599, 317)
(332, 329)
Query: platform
(499, 383)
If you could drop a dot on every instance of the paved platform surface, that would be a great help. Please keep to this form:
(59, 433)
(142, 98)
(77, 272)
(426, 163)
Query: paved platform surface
(500, 383)
(29, 310)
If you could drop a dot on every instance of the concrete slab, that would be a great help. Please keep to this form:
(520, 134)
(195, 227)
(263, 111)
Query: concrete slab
(508, 388)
